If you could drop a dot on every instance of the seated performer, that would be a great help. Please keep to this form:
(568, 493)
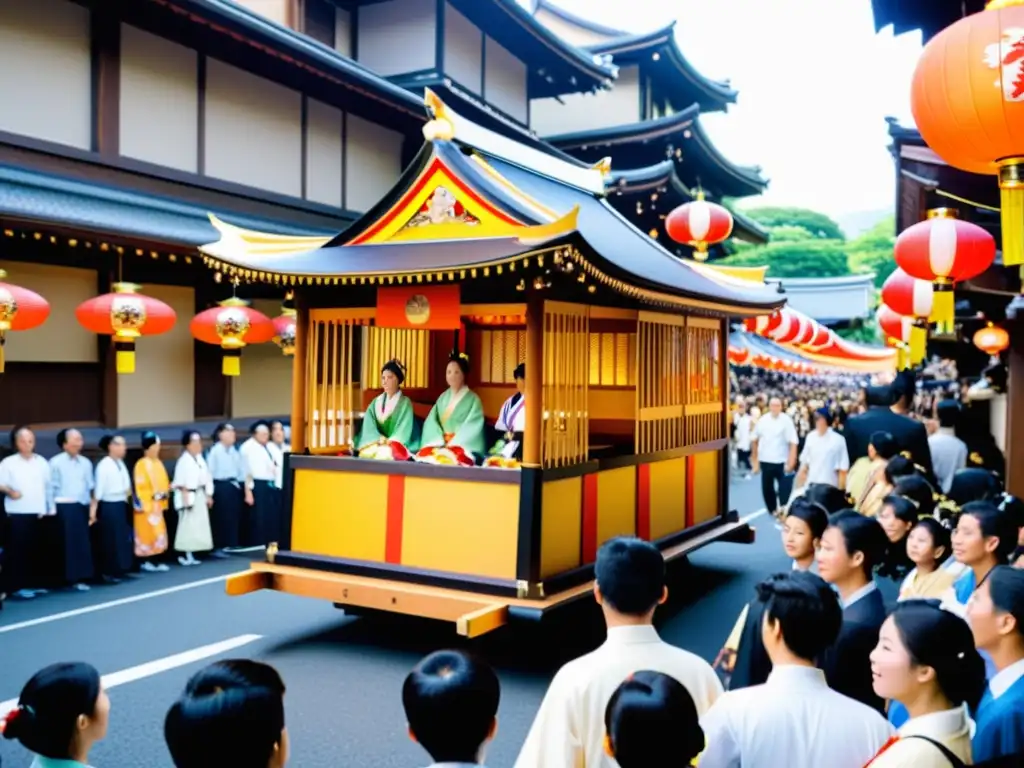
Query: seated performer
(453, 432)
(508, 451)
(387, 431)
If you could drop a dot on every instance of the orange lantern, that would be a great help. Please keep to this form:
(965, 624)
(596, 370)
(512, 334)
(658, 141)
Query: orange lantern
(125, 314)
(944, 251)
(231, 325)
(20, 310)
(699, 224)
(967, 98)
(992, 339)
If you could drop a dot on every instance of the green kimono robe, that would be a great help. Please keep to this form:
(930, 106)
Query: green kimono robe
(464, 420)
(398, 425)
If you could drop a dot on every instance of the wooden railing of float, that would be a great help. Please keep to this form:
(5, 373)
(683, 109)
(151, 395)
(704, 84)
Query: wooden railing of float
(332, 401)
(705, 399)
(410, 346)
(661, 382)
(565, 425)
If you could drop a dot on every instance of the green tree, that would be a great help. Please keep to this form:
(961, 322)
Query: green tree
(808, 258)
(817, 224)
(873, 251)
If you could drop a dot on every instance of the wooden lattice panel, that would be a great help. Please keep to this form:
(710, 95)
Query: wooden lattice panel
(567, 342)
(332, 393)
(409, 346)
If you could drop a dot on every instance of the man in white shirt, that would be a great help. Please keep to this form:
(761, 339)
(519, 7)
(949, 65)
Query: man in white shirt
(451, 707)
(794, 719)
(25, 484)
(263, 465)
(568, 731)
(949, 452)
(743, 424)
(824, 458)
(774, 447)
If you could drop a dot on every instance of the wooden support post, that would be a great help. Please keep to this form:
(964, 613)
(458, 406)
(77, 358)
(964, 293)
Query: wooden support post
(1015, 411)
(534, 380)
(299, 369)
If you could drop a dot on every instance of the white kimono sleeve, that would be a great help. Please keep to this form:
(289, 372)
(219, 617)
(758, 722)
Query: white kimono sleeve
(555, 739)
(723, 749)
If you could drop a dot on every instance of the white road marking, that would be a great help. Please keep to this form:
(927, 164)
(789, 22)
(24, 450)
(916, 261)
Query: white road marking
(112, 604)
(753, 515)
(151, 668)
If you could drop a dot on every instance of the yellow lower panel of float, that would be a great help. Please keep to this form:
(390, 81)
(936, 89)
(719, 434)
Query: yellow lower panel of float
(616, 503)
(561, 526)
(461, 526)
(706, 488)
(339, 514)
(667, 497)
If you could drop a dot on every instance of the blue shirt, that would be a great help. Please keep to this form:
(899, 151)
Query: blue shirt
(71, 478)
(49, 762)
(226, 464)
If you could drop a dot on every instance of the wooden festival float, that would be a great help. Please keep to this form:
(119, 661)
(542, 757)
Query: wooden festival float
(512, 255)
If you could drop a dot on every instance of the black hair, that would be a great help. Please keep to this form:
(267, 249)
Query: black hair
(62, 436)
(937, 638)
(877, 396)
(630, 574)
(231, 713)
(257, 424)
(828, 496)
(461, 359)
(224, 425)
(188, 434)
(973, 484)
(1012, 506)
(812, 513)
(106, 440)
(896, 562)
(519, 372)
(149, 439)
(650, 716)
(1006, 585)
(49, 706)
(994, 523)
(396, 367)
(451, 699)
(940, 536)
(897, 467)
(904, 387)
(864, 535)
(885, 444)
(948, 412)
(806, 608)
(918, 490)
(14, 435)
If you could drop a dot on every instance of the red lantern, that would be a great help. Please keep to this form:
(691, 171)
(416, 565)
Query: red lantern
(912, 298)
(898, 330)
(284, 331)
(20, 310)
(699, 224)
(967, 97)
(125, 315)
(231, 325)
(944, 251)
(992, 339)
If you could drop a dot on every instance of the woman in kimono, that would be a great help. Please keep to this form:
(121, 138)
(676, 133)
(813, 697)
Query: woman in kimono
(996, 616)
(193, 497)
(152, 491)
(920, 636)
(453, 432)
(113, 494)
(866, 470)
(387, 431)
(743, 661)
(897, 516)
(508, 451)
(928, 546)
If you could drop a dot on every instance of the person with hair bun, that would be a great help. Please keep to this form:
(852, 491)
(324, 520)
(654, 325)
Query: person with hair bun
(62, 712)
(113, 492)
(230, 714)
(389, 424)
(193, 497)
(152, 494)
(928, 545)
(649, 717)
(851, 549)
(866, 470)
(926, 660)
(511, 422)
(897, 517)
(453, 432)
(996, 616)
(882, 450)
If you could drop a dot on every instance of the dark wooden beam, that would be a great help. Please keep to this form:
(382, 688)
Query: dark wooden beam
(106, 82)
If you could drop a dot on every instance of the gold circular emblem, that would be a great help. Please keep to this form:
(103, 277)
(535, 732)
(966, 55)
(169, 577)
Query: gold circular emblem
(8, 309)
(232, 325)
(127, 315)
(417, 309)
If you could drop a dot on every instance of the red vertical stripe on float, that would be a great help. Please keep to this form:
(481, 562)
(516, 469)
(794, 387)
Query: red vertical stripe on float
(643, 502)
(691, 466)
(396, 511)
(589, 527)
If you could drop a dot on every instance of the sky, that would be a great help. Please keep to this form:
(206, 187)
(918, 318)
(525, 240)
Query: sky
(815, 86)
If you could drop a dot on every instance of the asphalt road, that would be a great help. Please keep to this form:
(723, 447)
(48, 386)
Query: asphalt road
(343, 674)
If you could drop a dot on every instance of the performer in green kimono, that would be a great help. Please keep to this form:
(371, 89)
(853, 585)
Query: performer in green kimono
(387, 431)
(453, 432)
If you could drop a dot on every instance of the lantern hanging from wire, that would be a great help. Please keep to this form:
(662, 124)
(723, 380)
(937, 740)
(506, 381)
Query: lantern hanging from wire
(911, 298)
(699, 224)
(897, 329)
(20, 310)
(232, 325)
(967, 97)
(945, 251)
(992, 340)
(125, 315)
(284, 331)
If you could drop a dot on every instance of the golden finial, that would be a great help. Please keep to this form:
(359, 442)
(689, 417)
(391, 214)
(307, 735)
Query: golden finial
(271, 552)
(441, 127)
(604, 165)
